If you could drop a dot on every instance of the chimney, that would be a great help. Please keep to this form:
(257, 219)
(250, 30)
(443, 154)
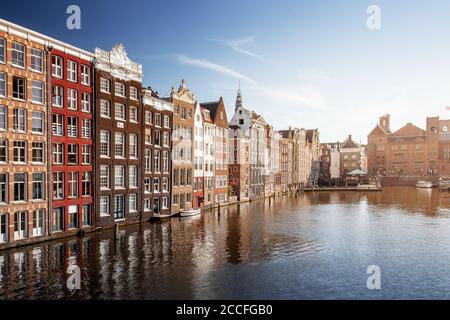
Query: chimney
(385, 122)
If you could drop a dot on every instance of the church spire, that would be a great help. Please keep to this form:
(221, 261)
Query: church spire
(238, 97)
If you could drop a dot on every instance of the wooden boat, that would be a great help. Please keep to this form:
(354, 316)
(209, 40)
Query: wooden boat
(190, 213)
(424, 184)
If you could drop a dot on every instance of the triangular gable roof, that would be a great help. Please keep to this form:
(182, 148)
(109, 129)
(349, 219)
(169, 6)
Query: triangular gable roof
(409, 130)
(214, 107)
(349, 143)
(378, 130)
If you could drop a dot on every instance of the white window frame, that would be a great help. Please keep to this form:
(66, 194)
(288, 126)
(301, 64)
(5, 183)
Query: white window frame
(72, 71)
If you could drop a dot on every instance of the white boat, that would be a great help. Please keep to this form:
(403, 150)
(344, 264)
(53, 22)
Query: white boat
(424, 184)
(190, 213)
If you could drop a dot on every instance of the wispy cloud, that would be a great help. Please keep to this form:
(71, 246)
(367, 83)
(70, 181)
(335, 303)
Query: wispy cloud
(309, 75)
(205, 64)
(238, 45)
(302, 97)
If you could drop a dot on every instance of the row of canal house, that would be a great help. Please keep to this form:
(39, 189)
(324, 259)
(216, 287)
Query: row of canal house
(85, 145)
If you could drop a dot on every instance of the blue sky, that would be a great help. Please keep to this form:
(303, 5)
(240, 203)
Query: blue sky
(310, 64)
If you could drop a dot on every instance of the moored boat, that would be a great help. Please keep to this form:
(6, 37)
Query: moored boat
(190, 213)
(424, 184)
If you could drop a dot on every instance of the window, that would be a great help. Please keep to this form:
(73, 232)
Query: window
(157, 161)
(19, 88)
(36, 60)
(104, 206)
(3, 227)
(147, 185)
(20, 225)
(72, 153)
(72, 127)
(38, 186)
(19, 120)
(105, 85)
(119, 176)
(72, 99)
(20, 187)
(166, 122)
(158, 120)
(58, 153)
(37, 122)
(73, 216)
(57, 67)
(119, 149)
(37, 152)
(165, 184)
(86, 154)
(156, 185)
(58, 219)
(85, 102)
(147, 204)
(58, 97)
(104, 177)
(148, 136)
(165, 202)
(18, 55)
(165, 161)
(105, 109)
(120, 89)
(157, 138)
(58, 125)
(132, 205)
(148, 117)
(3, 150)
(133, 93)
(72, 71)
(183, 113)
(132, 176)
(133, 114)
(37, 91)
(119, 206)
(2, 50)
(3, 187)
(86, 215)
(104, 143)
(85, 75)
(38, 222)
(133, 145)
(120, 112)
(19, 151)
(166, 139)
(73, 184)
(148, 160)
(85, 184)
(2, 84)
(86, 129)
(3, 118)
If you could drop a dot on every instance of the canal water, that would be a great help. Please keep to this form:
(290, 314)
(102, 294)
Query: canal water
(313, 246)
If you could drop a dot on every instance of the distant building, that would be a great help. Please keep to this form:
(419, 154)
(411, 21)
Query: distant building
(399, 153)
(239, 163)
(254, 129)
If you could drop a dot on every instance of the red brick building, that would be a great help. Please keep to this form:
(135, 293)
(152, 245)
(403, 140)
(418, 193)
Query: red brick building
(71, 75)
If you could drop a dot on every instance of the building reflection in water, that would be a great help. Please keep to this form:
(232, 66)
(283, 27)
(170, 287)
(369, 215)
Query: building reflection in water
(200, 257)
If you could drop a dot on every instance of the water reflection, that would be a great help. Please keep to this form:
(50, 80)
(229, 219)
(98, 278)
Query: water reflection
(315, 245)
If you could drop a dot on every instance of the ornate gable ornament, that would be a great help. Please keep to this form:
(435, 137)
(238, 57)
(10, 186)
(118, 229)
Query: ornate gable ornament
(118, 64)
(183, 93)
